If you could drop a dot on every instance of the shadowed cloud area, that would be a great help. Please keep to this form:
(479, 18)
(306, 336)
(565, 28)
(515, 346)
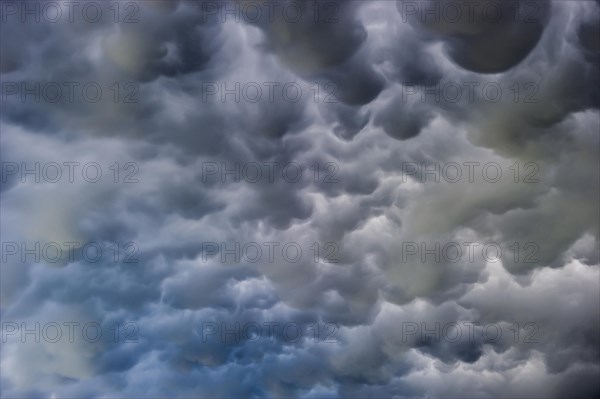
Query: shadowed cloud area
(370, 99)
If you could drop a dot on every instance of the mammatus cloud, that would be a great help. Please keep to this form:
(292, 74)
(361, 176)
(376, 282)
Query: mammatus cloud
(300, 199)
(482, 37)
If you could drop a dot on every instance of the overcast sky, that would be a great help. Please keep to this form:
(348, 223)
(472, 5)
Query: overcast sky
(300, 199)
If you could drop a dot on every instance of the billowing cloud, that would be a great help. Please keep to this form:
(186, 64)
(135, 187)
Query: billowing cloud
(300, 199)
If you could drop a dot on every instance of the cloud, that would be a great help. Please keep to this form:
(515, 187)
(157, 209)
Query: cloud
(334, 136)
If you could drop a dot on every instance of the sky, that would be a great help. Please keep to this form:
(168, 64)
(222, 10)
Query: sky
(294, 199)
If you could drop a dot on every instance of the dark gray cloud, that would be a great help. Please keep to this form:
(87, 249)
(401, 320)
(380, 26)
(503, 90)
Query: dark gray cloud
(357, 97)
(483, 37)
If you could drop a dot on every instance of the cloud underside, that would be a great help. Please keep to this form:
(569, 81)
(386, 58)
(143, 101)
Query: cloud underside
(374, 56)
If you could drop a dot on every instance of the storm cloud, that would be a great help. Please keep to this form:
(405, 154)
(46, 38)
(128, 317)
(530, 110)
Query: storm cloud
(300, 199)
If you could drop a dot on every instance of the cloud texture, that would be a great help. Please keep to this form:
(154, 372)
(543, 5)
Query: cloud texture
(367, 91)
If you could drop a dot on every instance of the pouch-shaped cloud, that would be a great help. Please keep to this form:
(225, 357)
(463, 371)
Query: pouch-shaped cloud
(485, 36)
